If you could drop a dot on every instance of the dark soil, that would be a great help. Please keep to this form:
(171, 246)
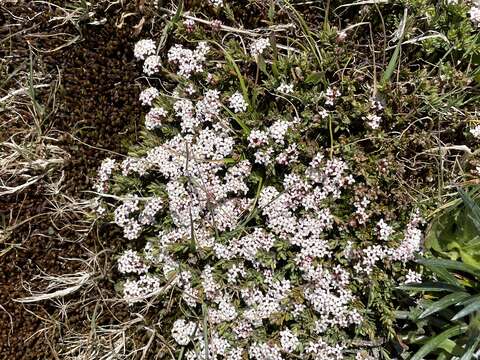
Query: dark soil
(98, 106)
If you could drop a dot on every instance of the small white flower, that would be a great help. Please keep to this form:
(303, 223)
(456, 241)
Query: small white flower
(331, 95)
(285, 88)
(475, 15)
(323, 113)
(384, 230)
(216, 3)
(475, 131)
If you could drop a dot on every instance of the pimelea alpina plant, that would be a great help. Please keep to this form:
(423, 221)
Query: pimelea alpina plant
(258, 256)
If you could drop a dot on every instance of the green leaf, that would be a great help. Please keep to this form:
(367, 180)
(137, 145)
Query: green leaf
(451, 265)
(437, 341)
(472, 206)
(474, 306)
(392, 64)
(261, 64)
(471, 345)
(443, 303)
(444, 275)
(430, 286)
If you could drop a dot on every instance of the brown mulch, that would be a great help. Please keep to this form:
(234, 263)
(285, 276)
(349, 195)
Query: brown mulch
(98, 106)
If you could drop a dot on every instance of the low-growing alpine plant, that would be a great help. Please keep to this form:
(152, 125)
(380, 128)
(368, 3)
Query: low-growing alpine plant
(275, 202)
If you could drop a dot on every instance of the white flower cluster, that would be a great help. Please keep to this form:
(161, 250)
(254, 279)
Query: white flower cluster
(264, 352)
(285, 88)
(384, 230)
(132, 227)
(413, 277)
(104, 173)
(152, 65)
(331, 95)
(475, 131)
(189, 62)
(137, 290)
(131, 262)
(373, 121)
(238, 103)
(289, 341)
(322, 351)
(225, 235)
(404, 252)
(144, 48)
(257, 47)
(216, 3)
(154, 117)
(134, 165)
(148, 95)
(183, 331)
(475, 14)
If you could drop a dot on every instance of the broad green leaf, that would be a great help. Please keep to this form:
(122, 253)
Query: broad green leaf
(431, 286)
(451, 265)
(443, 303)
(444, 275)
(437, 341)
(470, 300)
(474, 306)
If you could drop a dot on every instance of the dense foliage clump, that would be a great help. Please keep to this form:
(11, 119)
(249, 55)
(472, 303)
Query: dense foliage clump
(277, 198)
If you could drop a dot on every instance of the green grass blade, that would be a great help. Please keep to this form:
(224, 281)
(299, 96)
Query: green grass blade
(392, 64)
(443, 303)
(435, 342)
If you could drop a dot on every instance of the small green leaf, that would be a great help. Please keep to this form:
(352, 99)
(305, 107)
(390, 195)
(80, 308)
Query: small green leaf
(262, 65)
(314, 78)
